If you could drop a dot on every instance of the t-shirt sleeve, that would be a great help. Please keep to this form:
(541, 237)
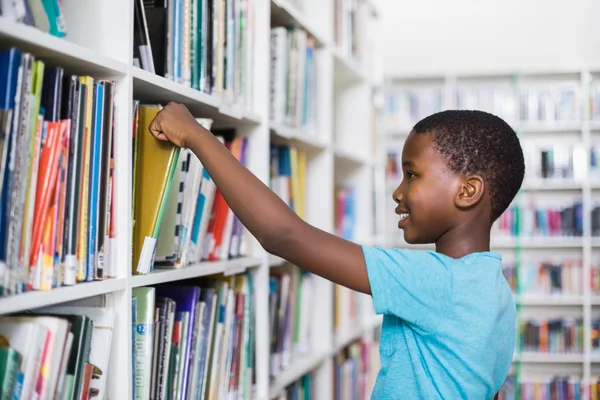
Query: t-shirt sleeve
(414, 285)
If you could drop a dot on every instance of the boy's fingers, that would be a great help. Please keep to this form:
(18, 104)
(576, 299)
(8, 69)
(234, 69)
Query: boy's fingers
(155, 126)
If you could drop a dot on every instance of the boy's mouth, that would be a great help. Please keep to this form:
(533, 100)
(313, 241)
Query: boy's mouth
(403, 219)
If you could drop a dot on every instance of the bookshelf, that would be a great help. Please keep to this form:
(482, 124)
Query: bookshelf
(551, 267)
(337, 138)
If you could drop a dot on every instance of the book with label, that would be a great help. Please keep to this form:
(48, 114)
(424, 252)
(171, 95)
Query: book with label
(155, 166)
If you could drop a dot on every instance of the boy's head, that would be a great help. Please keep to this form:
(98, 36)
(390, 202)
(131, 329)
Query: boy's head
(460, 169)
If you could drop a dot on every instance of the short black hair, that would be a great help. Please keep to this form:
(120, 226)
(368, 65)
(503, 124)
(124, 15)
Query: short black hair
(477, 142)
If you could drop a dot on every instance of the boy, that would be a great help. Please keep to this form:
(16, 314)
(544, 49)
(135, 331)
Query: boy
(449, 317)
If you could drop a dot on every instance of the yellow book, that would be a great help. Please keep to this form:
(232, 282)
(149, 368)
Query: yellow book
(82, 249)
(32, 168)
(156, 163)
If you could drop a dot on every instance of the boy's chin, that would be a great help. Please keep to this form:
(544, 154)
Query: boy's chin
(412, 237)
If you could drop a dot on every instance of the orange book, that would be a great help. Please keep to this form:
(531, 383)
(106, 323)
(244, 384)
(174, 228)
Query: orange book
(47, 176)
(222, 211)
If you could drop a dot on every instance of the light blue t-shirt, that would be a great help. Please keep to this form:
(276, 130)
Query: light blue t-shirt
(448, 324)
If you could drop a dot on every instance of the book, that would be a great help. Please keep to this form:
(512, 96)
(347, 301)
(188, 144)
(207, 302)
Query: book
(155, 167)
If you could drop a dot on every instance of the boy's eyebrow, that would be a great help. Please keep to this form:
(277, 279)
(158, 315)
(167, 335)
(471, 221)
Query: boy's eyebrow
(408, 163)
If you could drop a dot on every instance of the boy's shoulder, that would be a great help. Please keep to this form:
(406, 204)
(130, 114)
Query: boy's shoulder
(405, 257)
(420, 285)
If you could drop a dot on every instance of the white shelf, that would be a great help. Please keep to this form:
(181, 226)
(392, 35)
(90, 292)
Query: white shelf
(347, 69)
(284, 13)
(550, 358)
(275, 261)
(58, 51)
(252, 121)
(229, 267)
(550, 242)
(37, 299)
(300, 367)
(555, 300)
(152, 87)
(349, 158)
(551, 185)
(302, 139)
(304, 365)
(549, 127)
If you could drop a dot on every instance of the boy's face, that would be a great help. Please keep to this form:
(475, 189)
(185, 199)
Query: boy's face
(425, 198)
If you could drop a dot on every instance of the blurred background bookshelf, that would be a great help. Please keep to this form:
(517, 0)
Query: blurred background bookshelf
(548, 237)
(138, 252)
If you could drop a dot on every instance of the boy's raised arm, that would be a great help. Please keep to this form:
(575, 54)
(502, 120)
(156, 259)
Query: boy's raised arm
(278, 229)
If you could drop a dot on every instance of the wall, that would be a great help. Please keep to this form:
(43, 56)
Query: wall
(435, 37)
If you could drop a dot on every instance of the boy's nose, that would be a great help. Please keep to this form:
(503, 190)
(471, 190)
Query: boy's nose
(397, 194)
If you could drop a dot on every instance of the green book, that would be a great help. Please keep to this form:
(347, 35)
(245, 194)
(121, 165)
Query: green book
(144, 330)
(10, 366)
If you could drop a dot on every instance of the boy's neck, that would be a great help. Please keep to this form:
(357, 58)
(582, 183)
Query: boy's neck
(464, 239)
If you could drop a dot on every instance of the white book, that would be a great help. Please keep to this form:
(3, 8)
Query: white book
(103, 322)
(28, 338)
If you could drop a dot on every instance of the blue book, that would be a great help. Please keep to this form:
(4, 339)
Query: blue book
(186, 299)
(95, 168)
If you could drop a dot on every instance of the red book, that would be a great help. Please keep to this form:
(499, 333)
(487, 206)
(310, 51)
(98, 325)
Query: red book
(47, 176)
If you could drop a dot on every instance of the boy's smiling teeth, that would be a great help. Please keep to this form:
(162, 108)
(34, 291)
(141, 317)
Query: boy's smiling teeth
(403, 216)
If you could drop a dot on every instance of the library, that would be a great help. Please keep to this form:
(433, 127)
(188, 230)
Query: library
(122, 252)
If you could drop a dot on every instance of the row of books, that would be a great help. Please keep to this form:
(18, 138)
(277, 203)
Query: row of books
(287, 176)
(544, 387)
(535, 220)
(203, 44)
(352, 371)
(557, 161)
(347, 27)
(404, 108)
(595, 276)
(346, 309)
(594, 170)
(345, 212)
(543, 163)
(596, 220)
(499, 100)
(532, 103)
(594, 103)
(293, 80)
(56, 353)
(291, 305)
(46, 15)
(595, 335)
(594, 388)
(302, 389)
(56, 173)
(179, 216)
(559, 335)
(544, 103)
(546, 278)
(193, 340)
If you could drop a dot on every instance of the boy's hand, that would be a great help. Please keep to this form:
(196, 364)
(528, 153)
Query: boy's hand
(175, 124)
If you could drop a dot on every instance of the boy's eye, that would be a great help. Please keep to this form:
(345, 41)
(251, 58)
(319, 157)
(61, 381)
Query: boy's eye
(409, 175)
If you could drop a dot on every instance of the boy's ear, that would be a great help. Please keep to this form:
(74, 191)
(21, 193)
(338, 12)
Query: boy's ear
(470, 191)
